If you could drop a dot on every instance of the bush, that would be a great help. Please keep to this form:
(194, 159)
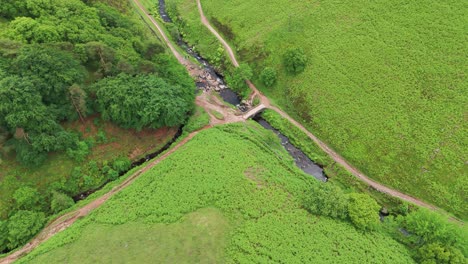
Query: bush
(121, 164)
(432, 227)
(26, 198)
(363, 211)
(22, 226)
(295, 60)
(438, 253)
(112, 174)
(268, 76)
(238, 77)
(80, 152)
(60, 202)
(328, 200)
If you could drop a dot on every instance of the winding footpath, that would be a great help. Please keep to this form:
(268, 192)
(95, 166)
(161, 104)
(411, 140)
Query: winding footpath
(336, 157)
(208, 102)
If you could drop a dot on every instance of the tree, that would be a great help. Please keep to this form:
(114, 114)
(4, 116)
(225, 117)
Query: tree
(268, 76)
(22, 226)
(363, 211)
(78, 100)
(328, 200)
(143, 101)
(26, 198)
(436, 253)
(51, 71)
(238, 77)
(121, 164)
(60, 202)
(295, 60)
(432, 227)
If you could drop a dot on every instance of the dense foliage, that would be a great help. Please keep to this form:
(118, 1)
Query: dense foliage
(68, 60)
(143, 101)
(295, 60)
(240, 171)
(385, 87)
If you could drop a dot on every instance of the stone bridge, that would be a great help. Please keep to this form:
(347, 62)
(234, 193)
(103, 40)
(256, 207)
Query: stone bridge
(252, 112)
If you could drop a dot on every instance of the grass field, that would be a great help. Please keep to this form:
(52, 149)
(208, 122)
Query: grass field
(230, 195)
(385, 83)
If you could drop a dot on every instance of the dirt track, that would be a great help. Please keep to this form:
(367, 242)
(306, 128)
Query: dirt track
(336, 157)
(208, 103)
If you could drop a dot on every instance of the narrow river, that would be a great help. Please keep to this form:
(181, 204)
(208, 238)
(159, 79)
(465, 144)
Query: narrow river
(302, 161)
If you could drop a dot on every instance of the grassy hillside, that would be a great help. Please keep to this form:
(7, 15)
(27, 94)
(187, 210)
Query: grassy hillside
(230, 195)
(385, 83)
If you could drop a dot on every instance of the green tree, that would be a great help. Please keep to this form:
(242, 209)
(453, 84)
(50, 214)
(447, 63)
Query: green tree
(121, 164)
(328, 200)
(51, 71)
(433, 227)
(436, 253)
(363, 211)
(22, 226)
(295, 60)
(238, 77)
(3, 235)
(60, 202)
(143, 101)
(268, 76)
(26, 198)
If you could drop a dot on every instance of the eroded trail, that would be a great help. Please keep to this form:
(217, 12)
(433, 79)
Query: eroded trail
(336, 157)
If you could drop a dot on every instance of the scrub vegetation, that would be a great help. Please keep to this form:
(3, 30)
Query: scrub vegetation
(85, 89)
(382, 82)
(232, 194)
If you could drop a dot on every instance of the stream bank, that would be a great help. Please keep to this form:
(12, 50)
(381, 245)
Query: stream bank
(211, 79)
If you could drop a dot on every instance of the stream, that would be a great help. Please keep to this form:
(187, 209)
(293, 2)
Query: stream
(302, 161)
(134, 164)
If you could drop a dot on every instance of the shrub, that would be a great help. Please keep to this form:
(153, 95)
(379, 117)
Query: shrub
(268, 76)
(121, 164)
(432, 227)
(295, 60)
(22, 226)
(328, 200)
(80, 152)
(363, 211)
(60, 201)
(112, 174)
(438, 253)
(238, 77)
(26, 198)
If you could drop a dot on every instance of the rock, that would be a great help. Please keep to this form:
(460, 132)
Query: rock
(217, 88)
(222, 86)
(384, 211)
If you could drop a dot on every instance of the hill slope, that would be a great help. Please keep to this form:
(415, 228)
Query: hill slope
(231, 194)
(385, 83)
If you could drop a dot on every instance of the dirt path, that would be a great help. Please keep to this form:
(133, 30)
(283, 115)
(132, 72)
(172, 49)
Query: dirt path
(67, 220)
(208, 102)
(205, 100)
(336, 157)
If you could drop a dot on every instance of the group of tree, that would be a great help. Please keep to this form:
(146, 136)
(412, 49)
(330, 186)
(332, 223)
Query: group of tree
(294, 61)
(28, 215)
(330, 200)
(61, 61)
(52, 51)
(432, 236)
